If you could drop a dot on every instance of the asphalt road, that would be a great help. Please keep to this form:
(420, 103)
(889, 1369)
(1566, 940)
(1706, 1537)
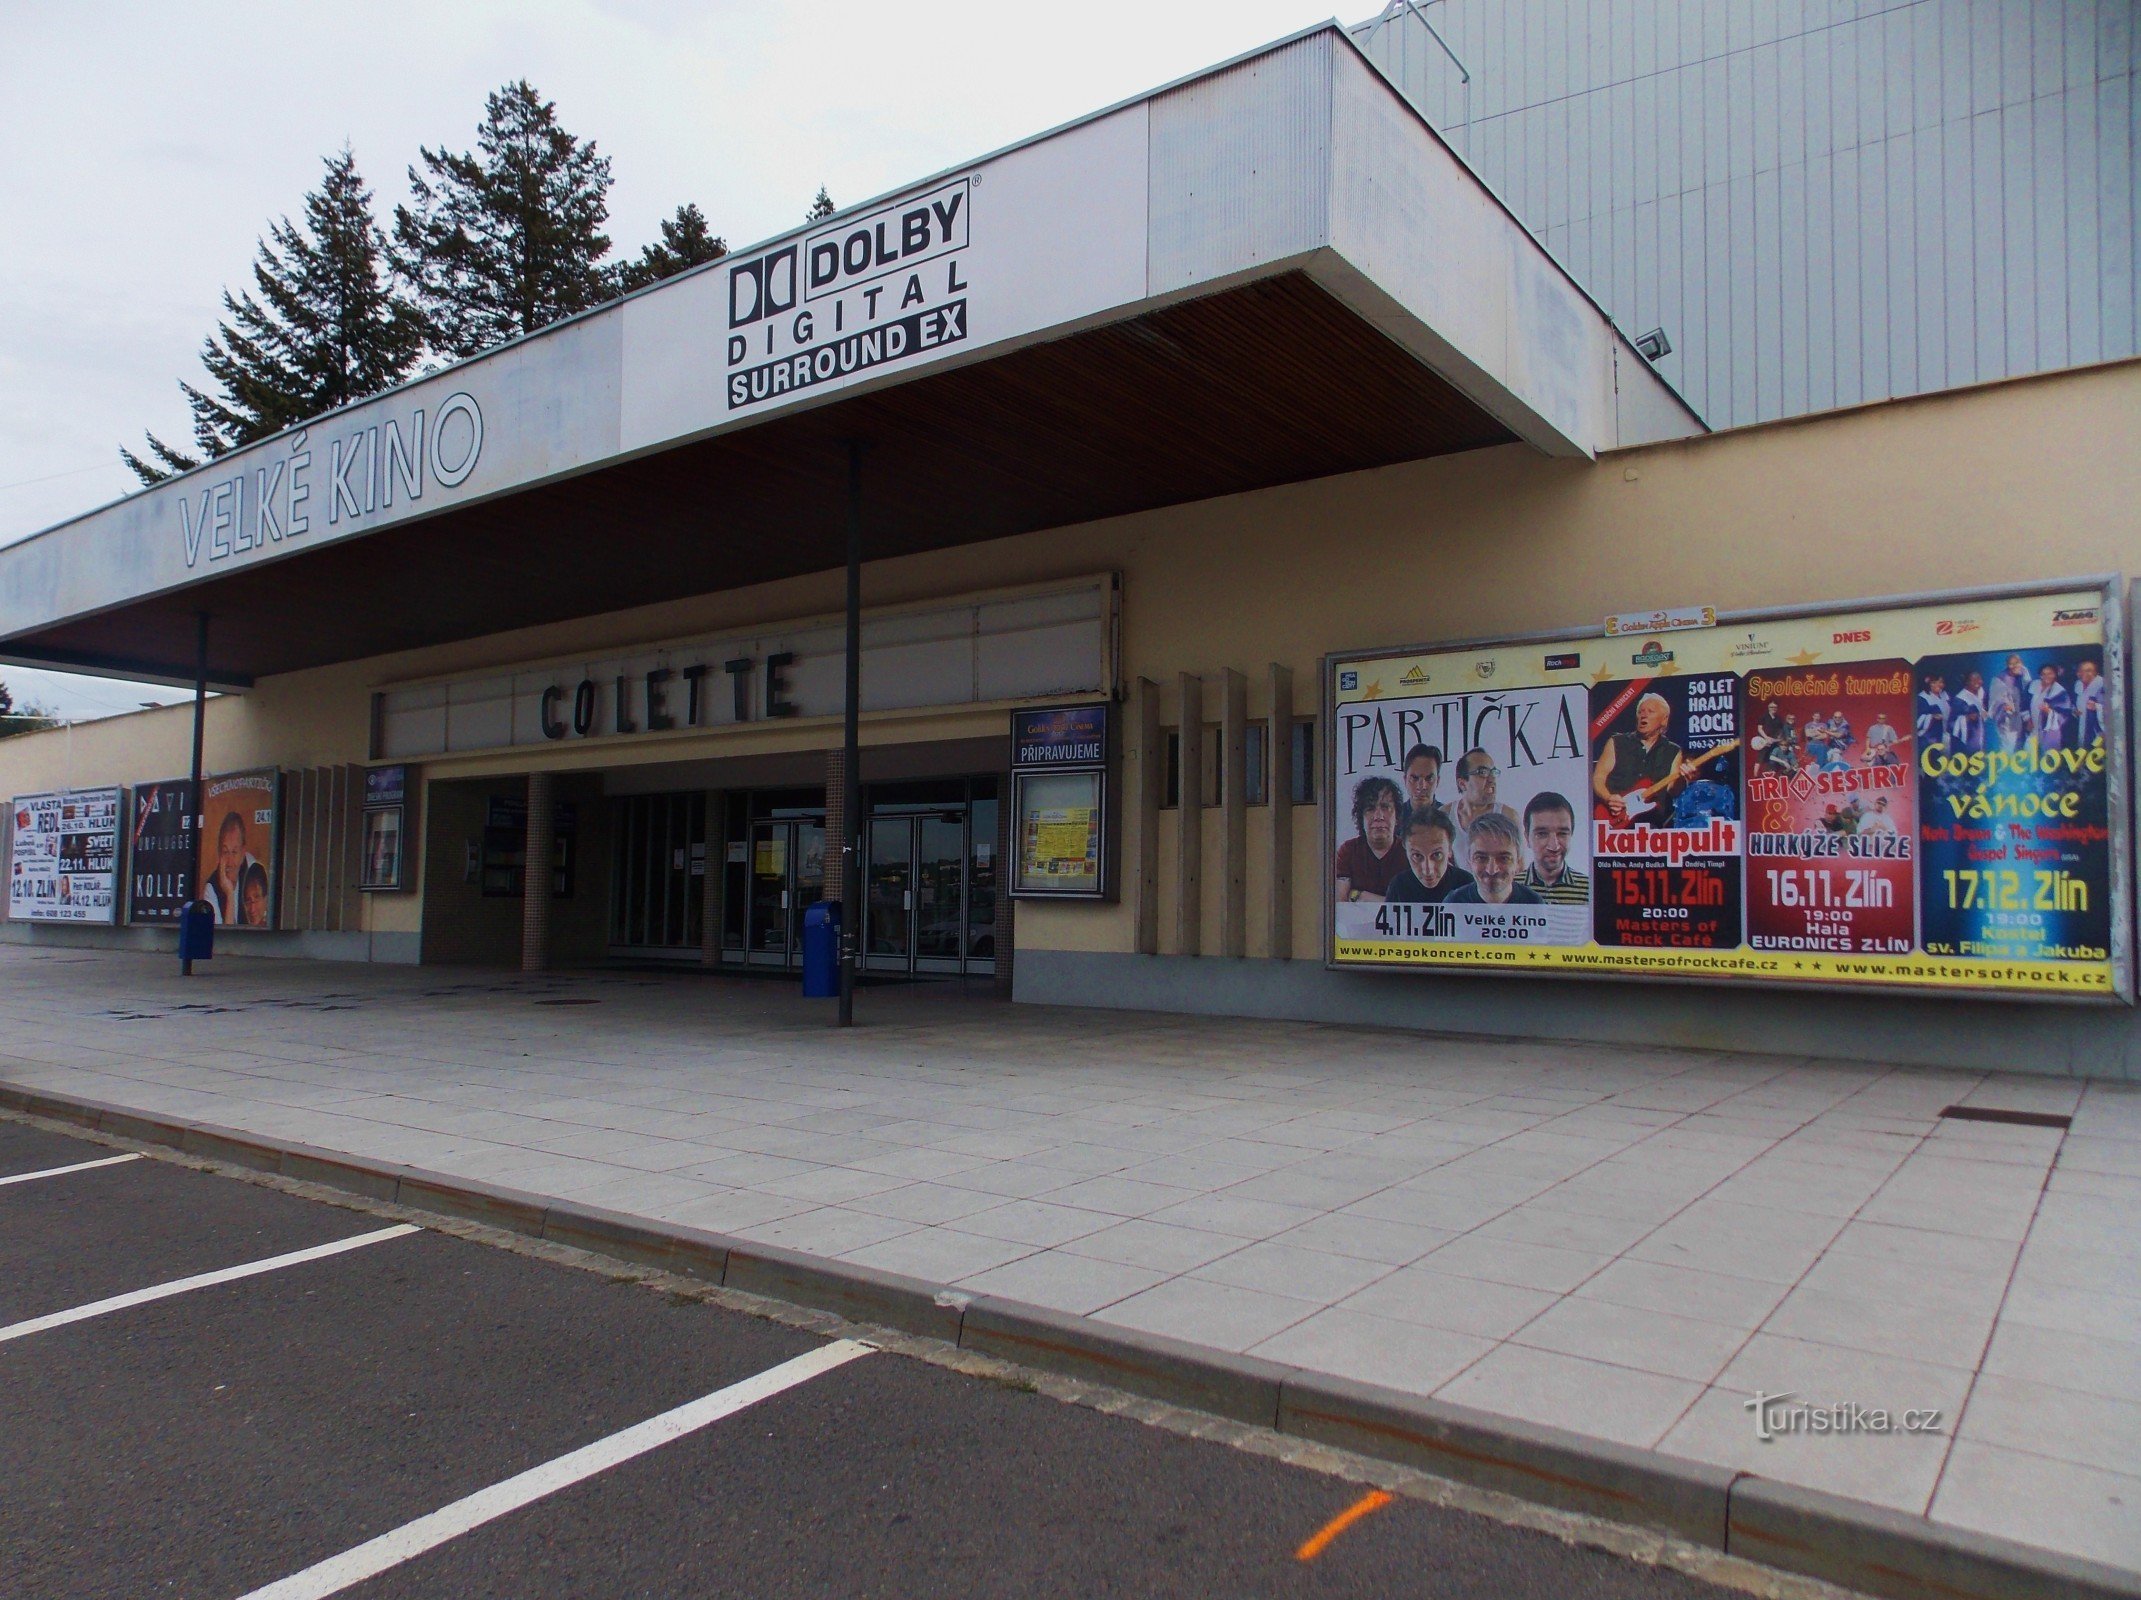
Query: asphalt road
(219, 1440)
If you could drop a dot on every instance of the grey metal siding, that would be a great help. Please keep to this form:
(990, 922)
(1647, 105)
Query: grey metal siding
(1823, 202)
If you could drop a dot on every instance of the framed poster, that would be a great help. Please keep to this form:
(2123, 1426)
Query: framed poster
(63, 859)
(160, 835)
(387, 827)
(1061, 758)
(1920, 793)
(1058, 818)
(241, 817)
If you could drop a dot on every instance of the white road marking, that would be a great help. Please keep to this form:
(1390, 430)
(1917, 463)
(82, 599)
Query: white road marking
(412, 1539)
(163, 1291)
(61, 1172)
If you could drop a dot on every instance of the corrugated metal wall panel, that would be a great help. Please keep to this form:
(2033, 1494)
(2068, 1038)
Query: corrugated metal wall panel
(1240, 165)
(1821, 201)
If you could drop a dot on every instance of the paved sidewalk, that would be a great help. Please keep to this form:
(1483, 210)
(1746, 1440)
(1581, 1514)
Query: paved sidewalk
(1626, 1245)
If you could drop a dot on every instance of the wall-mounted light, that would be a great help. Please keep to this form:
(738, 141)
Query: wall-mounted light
(1654, 345)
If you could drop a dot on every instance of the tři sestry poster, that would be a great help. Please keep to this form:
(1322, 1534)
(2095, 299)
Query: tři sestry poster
(63, 863)
(1909, 795)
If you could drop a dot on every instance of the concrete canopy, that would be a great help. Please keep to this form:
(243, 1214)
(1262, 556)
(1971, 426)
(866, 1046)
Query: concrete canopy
(1271, 271)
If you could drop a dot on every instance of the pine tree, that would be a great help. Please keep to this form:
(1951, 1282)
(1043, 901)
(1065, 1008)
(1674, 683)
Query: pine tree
(325, 328)
(506, 238)
(685, 242)
(820, 208)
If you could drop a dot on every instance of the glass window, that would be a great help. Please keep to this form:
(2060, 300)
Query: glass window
(1303, 765)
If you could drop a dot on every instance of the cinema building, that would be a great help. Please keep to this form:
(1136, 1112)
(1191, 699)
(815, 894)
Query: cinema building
(1243, 483)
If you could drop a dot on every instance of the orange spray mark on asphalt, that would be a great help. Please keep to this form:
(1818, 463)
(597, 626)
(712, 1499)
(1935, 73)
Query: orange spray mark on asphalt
(1374, 1500)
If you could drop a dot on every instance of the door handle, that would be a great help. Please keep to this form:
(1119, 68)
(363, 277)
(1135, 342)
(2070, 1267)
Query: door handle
(784, 899)
(907, 900)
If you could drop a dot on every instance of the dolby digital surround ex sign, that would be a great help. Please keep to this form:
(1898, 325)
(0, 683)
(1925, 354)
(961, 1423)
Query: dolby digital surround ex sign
(1902, 795)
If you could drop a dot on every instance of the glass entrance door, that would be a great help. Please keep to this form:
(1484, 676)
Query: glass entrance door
(929, 902)
(787, 876)
(888, 925)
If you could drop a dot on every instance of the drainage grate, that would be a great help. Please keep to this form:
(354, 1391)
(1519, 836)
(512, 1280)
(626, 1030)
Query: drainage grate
(2020, 1119)
(568, 1002)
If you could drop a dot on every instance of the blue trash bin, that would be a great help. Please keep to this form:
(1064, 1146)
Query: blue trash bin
(197, 931)
(821, 951)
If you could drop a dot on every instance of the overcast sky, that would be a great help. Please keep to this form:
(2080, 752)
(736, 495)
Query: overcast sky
(149, 145)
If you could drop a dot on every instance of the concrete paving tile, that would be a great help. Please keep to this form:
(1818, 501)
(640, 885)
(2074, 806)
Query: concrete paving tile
(1920, 1247)
(1451, 1213)
(1443, 1300)
(1040, 1223)
(2000, 1221)
(1945, 1335)
(2107, 1367)
(1291, 1270)
(1826, 1374)
(2060, 1505)
(926, 1203)
(936, 1255)
(1565, 1230)
(1895, 1470)
(641, 1192)
(1685, 1291)
(1395, 1243)
(1080, 1285)
(1122, 1197)
(1248, 1219)
(830, 1185)
(1010, 1180)
(1939, 1288)
(744, 1169)
(1650, 1341)
(2023, 1414)
(1209, 1313)
(1564, 1391)
(1163, 1247)
(1371, 1349)
(1527, 1266)
(2075, 1310)
(918, 1163)
(823, 1230)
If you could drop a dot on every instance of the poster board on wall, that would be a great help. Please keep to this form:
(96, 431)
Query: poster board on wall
(241, 821)
(63, 856)
(1927, 793)
(160, 836)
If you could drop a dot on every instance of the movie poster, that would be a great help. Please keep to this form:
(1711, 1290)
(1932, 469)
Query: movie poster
(1924, 794)
(1832, 810)
(1463, 813)
(63, 862)
(2013, 802)
(1665, 807)
(162, 839)
(237, 863)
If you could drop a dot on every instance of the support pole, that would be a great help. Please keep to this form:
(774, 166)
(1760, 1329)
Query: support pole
(190, 876)
(535, 874)
(850, 739)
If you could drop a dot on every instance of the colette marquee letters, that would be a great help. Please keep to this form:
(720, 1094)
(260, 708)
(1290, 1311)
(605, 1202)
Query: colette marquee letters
(579, 712)
(362, 473)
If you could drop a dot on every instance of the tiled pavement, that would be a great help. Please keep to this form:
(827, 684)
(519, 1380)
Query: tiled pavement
(1625, 1244)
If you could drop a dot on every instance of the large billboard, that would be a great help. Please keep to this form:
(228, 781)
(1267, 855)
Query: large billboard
(63, 856)
(1921, 794)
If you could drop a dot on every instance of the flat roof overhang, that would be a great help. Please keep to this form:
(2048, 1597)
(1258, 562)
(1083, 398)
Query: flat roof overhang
(1268, 273)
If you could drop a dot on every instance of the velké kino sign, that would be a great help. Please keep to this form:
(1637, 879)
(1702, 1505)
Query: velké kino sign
(343, 475)
(864, 292)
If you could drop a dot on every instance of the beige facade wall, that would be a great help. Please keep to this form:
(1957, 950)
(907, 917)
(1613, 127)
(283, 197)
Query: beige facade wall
(2034, 479)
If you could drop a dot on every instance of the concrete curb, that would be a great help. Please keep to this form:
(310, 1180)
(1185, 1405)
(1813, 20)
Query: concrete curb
(1805, 1531)
(1688, 1499)
(1883, 1552)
